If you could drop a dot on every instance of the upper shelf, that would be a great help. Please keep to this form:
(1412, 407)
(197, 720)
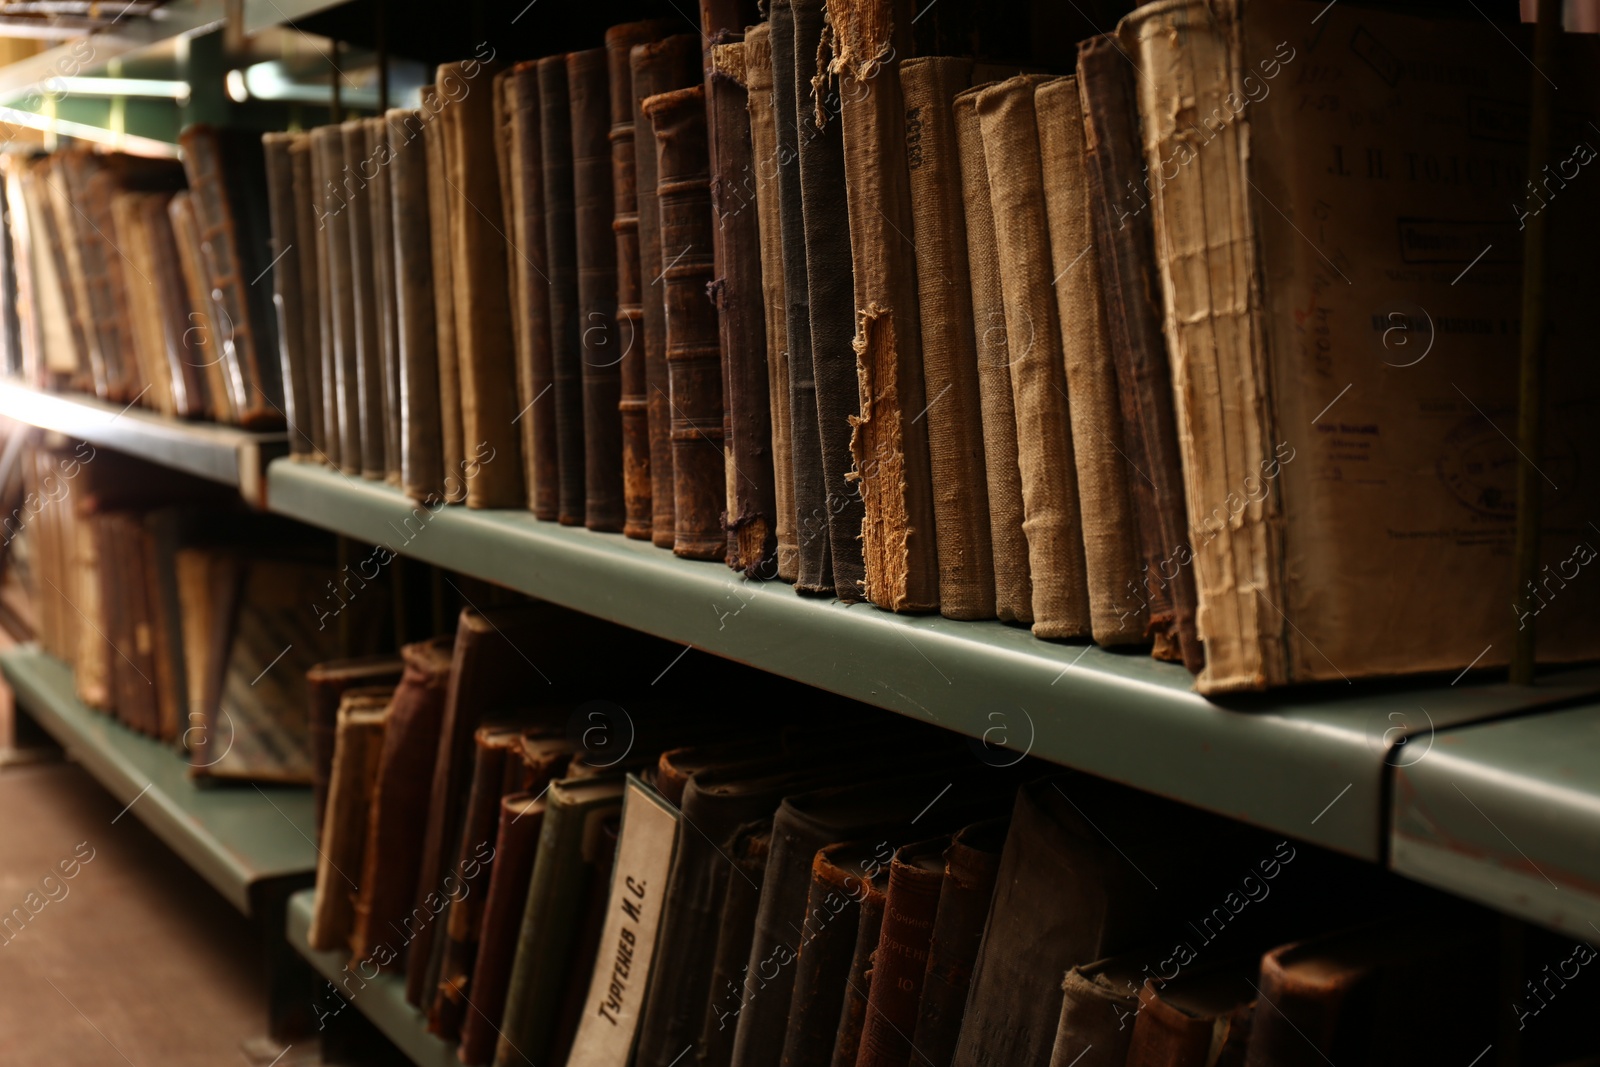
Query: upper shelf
(223, 454)
(1308, 763)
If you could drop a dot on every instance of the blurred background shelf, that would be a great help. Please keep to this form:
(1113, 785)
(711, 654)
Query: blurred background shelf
(240, 838)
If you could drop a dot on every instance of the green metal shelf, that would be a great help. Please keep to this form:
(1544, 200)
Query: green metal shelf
(236, 837)
(1308, 763)
(381, 999)
(1508, 814)
(223, 454)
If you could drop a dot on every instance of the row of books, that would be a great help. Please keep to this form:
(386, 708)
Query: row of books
(610, 884)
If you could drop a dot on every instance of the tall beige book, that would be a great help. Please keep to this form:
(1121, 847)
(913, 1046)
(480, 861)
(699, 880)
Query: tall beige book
(1342, 291)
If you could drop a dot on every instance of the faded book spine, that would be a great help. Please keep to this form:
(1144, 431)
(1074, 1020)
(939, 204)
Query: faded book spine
(443, 296)
(345, 382)
(383, 280)
(531, 301)
(416, 332)
(561, 243)
(327, 335)
(307, 420)
(635, 399)
(916, 876)
(359, 206)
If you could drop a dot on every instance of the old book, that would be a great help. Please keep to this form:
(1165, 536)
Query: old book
(1099, 1002)
(326, 684)
(675, 766)
(343, 386)
(751, 503)
(516, 847)
(202, 339)
(1272, 321)
(858, 983)
(889, 442)
(400, 794)
(1003, 478)
(634, 400)
(671, 63)
(1131, 291)
(444, 309)
(562, 877)
(1110, 538)
(63, 348)
(1038, 375)
(147, 335)
(628, 941)
(599, 344)
(531, 298)
(486, 353)
(585, 954)
(327, 334)
(971, 864)
(416, 331)
(683, 181)
(830, 290)
(949, 344)
(66, 253)
(759, 74)
(126, 372)
(814, 573)
(288, 292)
(747, 850)
(911, 904)
(561, 243)
(228, 182)
(303, 193)
(381, 156)
(359, 740)
(85, 251)
(1195, 1020)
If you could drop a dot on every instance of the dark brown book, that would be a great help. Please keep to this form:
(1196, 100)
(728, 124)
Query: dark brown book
(1099, 1002)
(444, 305)
(343, 386)
(900, 962)
(1195, 1020)
(561, 243)
(672, 63)
(343, 837)
(416, 333)
(288, 292)
(858, 983)
(326, 684)
(358, 209)
(228, 181)
(1125, 244)
(327, 350)
(201, 339)
(676, 766)
(381, 154)
(815, 571)
(400, 796)
(830, 291)
(600, 346)
(516, 847)
(751, 501)
(304, 192)
(634, 400)
(971, 864)
(586, 942)
(747, 851)
(683, 183)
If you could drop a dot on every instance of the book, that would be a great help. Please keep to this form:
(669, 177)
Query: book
(678, 120)
(416, 337)
(949, 344)
(303, 193)
(1099, 1002)
(326, 684)
(888, 441)
(671, 63)
(741, 315)
(874, 885)
(381, 156)
(628, 941)
(288, 291)
(1052, 516)
(202, 339)
(360, 207)
(359, 741)
(1003, 478)
(444, 309)
(830, 292)
(1284, 562)
(911, 904)
(764, 144)
(747, 850)
(561, 243)
(1195, 1020)
(328, 441)
(343, 359)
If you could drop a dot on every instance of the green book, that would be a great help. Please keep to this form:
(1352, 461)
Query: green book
(563, 876)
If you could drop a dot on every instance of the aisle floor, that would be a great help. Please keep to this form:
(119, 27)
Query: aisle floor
(133, 959)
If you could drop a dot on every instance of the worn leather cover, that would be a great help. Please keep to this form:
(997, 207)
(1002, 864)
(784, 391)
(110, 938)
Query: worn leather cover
(831, 291)
(747, 851)
(516, 846)
(381, 154)
(600, 344)
(139, 220)
(531, 299)
(362, 713)
(326, 684)
(1130, 289)
(949, 344)
(683, 184)
(1199, 1020)
(288, 291)
(827, 946)
(416, 332)
(491, 467)
(444, 308)
(329, 143)
(359, 208)
(171, 312)
(764, 144)
(304, 194)
(815, 569)
(971, 864)
(202, 344)
(672, 63)
(328, 442)
(916, 879)
(858, 983)
(1038, 373)
(889, 442)
(1098, 1006)
(84, 270)
(228, 181)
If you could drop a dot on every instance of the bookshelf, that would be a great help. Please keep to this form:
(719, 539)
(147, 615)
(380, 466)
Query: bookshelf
(241, 839)
(223, 454)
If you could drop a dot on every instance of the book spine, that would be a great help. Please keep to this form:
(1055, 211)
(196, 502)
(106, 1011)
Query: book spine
(305, 416)
(599, 342)
(1110, 536)
(858, 986)
(683, 184)
(827, 946)
(444, 309)
(900, 960)
(751, 501)
(748, 850)
(890, 442)
(359, 209)
(830, 288)
(416, 331)
(949, 353)
(969, 877)
(561, 237)
(531, 303)
(357, 751)
(1130, 288)
(172, 322)
(814, 573)
(1038, 374)
(345, 385)
(1094, 1030)
(764, 146)
(327, 334)
(503, 93)
(380, 153)
(1165, 1035)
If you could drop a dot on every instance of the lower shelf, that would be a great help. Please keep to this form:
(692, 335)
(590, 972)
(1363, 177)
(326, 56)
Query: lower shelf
(382, 999)
(235, 836)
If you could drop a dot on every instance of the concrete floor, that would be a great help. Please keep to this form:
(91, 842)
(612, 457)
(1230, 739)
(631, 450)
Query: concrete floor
(131, 960)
